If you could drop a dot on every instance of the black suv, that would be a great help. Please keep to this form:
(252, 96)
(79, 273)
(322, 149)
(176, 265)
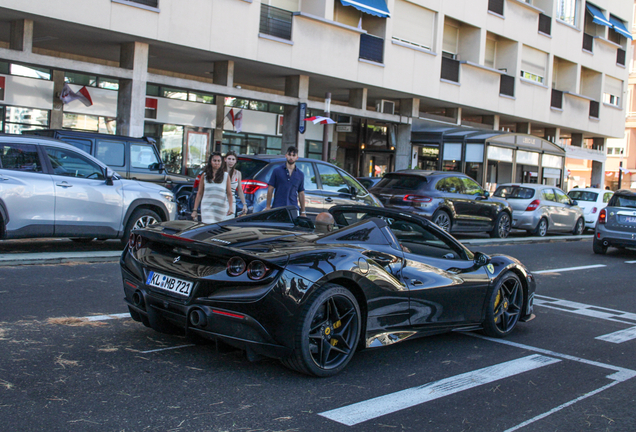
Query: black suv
(452, 200)
(131, 158)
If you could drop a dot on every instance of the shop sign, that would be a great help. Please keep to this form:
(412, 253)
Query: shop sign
(344, 128)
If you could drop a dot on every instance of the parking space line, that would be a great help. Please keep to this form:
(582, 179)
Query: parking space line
(351, 415)
(630, 262)
(107, 317)
(619, 336)
(586, 310)
(166, 349)
(560, 270)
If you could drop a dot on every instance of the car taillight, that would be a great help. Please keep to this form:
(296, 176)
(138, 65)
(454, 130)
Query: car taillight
(251, 186)
(602, 217)
(196, 182)
(593, 210)
(131, 240)
(256, 270)
(140, 242)
(533, 205)
(417, 198)
(236, 266)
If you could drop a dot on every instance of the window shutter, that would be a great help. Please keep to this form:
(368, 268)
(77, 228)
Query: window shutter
(613, 86)
(534, 61)
(412, 23)
(451, 36)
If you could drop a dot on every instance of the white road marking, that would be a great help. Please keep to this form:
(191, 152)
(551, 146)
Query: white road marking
(107, 317)
(560, 270)
(630, 262)
(166, 349)
(366, 410)
(619, 336)
(586, 310)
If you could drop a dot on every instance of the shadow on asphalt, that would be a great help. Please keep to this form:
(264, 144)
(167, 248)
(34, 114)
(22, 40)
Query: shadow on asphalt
(57, 245)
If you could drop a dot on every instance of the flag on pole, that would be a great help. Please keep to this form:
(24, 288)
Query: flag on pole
(236, 119)
(82, 95)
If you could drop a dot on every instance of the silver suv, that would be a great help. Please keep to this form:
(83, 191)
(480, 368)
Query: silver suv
(52, 189)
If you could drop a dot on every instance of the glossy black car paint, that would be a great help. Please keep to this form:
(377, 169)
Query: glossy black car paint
(400, 294)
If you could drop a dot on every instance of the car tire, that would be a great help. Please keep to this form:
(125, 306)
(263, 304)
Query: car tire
(502, 226)
(542, 228)
(140, 218)
(443, 220)
(598, 248)
(327, 333)
(504, 307)
(579, 227)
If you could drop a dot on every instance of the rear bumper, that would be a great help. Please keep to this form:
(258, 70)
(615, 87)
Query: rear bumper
(525, 220)
(614, 238)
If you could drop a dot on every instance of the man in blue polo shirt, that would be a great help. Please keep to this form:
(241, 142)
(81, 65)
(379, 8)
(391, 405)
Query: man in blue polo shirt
(289, 184)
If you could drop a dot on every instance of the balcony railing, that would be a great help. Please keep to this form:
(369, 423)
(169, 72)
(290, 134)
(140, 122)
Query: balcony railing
(507, 85)
(372, 48)
(557, 99)
(594, 108)
(620, 56)
(496, 6)
(276, 22)
(450, 69)
(545, 24)
(588, 42)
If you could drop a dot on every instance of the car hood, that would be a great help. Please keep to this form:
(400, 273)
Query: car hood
(142, 186)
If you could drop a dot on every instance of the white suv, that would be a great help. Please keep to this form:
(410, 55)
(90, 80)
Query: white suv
(52, 189)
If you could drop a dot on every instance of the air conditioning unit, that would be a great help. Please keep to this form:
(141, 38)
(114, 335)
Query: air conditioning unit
(385, 106)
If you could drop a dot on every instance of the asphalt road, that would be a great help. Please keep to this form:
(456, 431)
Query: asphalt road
(573, 368)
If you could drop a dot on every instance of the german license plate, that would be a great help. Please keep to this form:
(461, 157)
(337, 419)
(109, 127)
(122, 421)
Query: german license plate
(168, 283)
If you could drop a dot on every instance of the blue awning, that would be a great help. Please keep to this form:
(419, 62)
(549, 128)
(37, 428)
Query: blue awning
(619, 27)
(599, 18)
(372, 7)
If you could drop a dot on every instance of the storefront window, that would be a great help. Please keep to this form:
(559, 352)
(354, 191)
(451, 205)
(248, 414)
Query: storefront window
(313, 149)
(84, 122)
(30, 71)
(242, 143)
(197, 149)
(452, 157)
(475, 161)
(17, 119)
(171, 147)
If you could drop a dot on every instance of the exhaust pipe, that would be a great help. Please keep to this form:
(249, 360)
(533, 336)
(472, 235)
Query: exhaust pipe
(138, 299)
(198, 318)
(605, 243)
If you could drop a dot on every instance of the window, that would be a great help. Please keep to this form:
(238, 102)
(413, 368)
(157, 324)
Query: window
(561, 197)
(71, 164)
(568, 11)
(331, 180)
(91, 81)
(254, 105)
(612, 90)
(174, 93)
(416, 239)
(548, 194)
(607, 196)
(496, 6)
(533, 64)
(142, 156)
(275, 22)
(30, 71)
(615, 151)
(111, 153)
(471, 187)
(510, 192)
(450, 185)
(450, 43)
(307, 169)
(314, 149)
(413, 24)
(18, 119)
(20, 157)
(83, 122)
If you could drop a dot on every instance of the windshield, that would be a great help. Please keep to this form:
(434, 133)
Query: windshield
(623, 201)
(583, 195)
(517, 192)
(249, 167)
(399, 181)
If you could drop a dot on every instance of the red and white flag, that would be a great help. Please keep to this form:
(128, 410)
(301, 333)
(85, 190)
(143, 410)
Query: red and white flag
(236, 119)
(82, 95)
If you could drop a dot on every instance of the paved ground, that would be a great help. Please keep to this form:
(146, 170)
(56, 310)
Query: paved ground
(573, 368)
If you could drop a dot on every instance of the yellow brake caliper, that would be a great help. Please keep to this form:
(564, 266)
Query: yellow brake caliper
(497, 300)
(337, 324)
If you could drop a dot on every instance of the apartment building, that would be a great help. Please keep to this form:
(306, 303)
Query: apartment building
(504, 90)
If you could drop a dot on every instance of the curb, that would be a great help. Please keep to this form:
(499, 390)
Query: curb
(525, 240)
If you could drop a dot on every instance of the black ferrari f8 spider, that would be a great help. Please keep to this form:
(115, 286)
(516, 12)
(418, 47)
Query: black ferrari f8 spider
(268, 283)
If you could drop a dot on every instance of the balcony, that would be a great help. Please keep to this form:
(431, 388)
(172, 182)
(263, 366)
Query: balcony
(545, 24)
(507, 85)
(276, 22)
(371, 48)
(450, 69)
(556, 101)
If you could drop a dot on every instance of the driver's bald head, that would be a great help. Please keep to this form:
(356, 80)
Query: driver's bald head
(324, 222)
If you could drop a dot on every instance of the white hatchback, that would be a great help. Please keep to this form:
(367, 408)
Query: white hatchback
(591, 200)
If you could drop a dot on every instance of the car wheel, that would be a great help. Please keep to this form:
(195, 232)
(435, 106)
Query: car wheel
(579, 227)
(598, 247)
(542, 228)
(443, 220)
(182, 205)
(327, 333)
(504, 307)
(82, 240)
(140, 218)
(502, 226)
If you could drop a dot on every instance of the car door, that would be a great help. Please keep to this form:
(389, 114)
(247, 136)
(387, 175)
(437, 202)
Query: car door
(452, 189)
(549, 207)
(481, 211)
(446, 288)
(335, 190)
(26, 191)
(567, 213)
(313, 198)
(145, 164)
(84, 203)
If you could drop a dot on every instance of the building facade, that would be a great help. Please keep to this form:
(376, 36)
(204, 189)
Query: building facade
(545, 79)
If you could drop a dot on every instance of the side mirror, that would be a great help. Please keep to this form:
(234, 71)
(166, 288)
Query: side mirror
(481, 259)
(575, 203)
(157, 166)
(108, 174)
(486, 194)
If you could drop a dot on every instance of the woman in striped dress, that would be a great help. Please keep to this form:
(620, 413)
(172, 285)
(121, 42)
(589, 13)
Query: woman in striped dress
(235, 180)
(215, 192)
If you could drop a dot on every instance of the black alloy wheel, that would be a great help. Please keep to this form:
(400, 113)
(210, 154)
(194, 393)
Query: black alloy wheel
(598, 248)
(502, 226)
(504, 307)
(579, 227)
(542, 228)
(443, 220)
(327, 334)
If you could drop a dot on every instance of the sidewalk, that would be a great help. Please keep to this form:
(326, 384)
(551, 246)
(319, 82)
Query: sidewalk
(41, 258)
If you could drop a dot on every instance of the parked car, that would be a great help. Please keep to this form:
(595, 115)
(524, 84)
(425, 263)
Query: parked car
(131, 158)
(369, 182)
(452, 200)
(52, 189)
(326, 185)
(591, 200)
(266, 285)
(540, 209)
(616, 223)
